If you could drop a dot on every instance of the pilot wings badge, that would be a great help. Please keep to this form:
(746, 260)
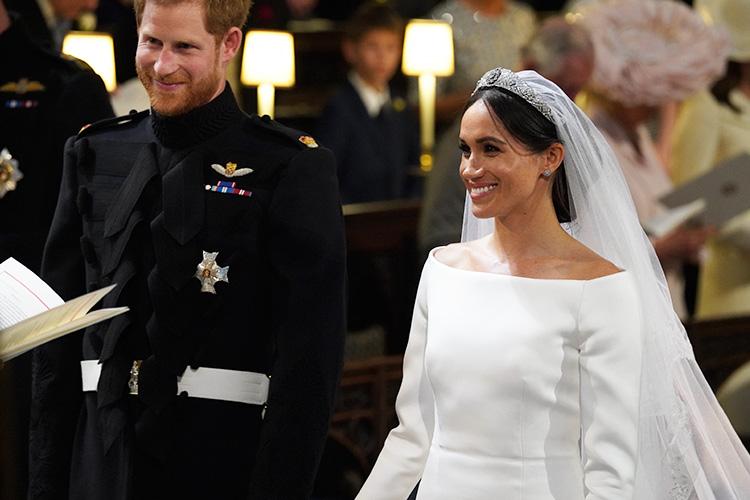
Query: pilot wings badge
(10, 174)
(231, 170)
(22, 86)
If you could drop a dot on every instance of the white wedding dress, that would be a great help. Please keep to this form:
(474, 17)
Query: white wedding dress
(516, 389)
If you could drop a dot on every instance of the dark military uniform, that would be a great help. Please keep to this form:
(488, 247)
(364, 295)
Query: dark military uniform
(44, 99)
(138, 208)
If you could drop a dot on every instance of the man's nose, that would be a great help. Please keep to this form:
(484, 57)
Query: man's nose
(165, 64)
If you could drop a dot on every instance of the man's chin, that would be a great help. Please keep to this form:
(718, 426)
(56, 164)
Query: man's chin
(169, 107)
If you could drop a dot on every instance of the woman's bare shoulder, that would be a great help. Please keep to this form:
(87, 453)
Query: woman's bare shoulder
(464, 255)
(590, 265)
(452, 254)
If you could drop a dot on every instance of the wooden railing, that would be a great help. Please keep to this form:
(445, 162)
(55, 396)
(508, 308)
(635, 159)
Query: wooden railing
(382, 240)
(381, 226)
(366, 406)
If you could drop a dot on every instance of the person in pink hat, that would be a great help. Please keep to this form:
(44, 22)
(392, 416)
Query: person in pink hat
(713, 126)
(649, 54)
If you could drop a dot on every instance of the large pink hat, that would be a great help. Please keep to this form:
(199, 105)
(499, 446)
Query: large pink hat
(652, 51)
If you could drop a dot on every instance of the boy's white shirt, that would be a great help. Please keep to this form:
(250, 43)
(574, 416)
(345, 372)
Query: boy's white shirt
(373, 99)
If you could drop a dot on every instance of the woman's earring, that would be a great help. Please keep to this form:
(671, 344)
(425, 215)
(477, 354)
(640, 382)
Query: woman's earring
(547, 172)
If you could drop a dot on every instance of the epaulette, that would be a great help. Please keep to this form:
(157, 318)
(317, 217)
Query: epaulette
(297, 137)
(112, 123)
(78, 62)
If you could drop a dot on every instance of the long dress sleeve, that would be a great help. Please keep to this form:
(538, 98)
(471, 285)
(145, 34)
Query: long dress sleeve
(610, 376)
(404, 454)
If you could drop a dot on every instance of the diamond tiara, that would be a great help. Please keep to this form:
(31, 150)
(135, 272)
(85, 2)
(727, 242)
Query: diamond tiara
(506, 79)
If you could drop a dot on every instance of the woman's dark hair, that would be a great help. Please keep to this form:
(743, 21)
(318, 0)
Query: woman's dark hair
(727, 83)
(529, 127)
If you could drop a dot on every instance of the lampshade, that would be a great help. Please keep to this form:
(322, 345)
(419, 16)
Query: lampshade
(428, 48)
(268, 58)
(97, 50)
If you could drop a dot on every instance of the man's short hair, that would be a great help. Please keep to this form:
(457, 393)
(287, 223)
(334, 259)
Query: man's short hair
(556, 39)
(220, 15)
(372, 16)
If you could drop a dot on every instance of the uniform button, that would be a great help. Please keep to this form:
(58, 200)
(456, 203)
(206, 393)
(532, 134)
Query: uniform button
(184, 394)
(266, 118)
(133, 112)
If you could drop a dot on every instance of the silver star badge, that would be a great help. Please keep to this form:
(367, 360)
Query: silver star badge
(231, 170)
(10, 174)
(209, 272)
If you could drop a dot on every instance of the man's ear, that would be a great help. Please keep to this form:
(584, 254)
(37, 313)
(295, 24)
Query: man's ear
(230, 44)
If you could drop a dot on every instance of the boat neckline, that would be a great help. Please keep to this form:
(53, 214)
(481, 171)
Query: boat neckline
(431, 256)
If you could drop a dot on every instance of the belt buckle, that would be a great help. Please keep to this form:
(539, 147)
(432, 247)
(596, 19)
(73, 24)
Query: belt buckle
(133, 381)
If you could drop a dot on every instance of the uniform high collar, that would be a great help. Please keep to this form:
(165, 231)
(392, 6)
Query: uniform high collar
(197, 125)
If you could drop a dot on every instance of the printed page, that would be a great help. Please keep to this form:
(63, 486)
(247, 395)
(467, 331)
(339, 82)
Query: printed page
(31, 313)
(22, 340)
(22, 294)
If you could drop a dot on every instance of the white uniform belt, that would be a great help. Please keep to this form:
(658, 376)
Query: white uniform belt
(209, 383)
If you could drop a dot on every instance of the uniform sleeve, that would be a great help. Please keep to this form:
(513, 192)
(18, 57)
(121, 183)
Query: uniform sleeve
(696, 138)
(307, 250)
(402, 459)
(610, 370)
(56, 375)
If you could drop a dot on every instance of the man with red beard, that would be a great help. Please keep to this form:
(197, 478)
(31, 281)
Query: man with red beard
(224, 236)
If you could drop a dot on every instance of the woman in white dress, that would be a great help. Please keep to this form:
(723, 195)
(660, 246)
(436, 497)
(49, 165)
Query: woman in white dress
(545, 361)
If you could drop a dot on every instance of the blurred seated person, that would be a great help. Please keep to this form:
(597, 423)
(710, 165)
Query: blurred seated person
(561, 52)
(486, 33)
(48, 21)
(370, 131)
(714, 126)
(635, 75)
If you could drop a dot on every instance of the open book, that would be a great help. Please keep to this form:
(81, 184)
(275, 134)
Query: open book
(31, 313)
(710, 199)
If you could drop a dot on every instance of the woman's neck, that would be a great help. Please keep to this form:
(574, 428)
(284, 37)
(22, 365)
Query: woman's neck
(522, 237)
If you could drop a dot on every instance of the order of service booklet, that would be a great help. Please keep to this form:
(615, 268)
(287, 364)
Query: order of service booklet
(712, 198)
(31, 313)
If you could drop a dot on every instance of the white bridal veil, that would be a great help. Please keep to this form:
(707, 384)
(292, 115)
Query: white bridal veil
(687, 447)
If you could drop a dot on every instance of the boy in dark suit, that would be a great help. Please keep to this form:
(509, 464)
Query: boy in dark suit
(372, 134)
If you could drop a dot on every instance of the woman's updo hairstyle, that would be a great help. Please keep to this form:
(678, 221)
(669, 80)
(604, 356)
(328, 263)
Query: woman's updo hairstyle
(529, 127)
